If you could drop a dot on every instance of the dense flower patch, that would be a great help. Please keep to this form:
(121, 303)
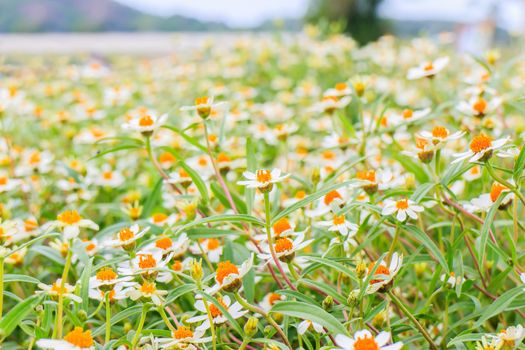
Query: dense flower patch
(284, 193)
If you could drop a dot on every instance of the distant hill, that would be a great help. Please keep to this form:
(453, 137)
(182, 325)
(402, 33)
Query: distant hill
(89, 16)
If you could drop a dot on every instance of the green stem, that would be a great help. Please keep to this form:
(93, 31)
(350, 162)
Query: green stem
(166, 319)
(394, 243)
(1, 286)
(136, 338)
(268, 318)
(57, 333)
(212, 325)
(411, 317)
(292, 271)
(108, 319)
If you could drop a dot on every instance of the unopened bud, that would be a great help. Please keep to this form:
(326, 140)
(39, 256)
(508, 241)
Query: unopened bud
(196, 270)
(353, 298)
(360, 270)
(250, 328)
(82, 315)
(328, 303)
(316, 175)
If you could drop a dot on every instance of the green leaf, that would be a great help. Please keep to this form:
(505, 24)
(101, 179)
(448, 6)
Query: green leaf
(221, 196)
(84, 284)
(454, 171)
(20, 278)
(197, 180)
(180, 291)
(251, 163)
(15, 316)
(152, 199)
(485, 229)
(421, 191)
(424, 239)
(224, 311)
(518, 166)
(310, 312)
(123, 315)
(335, 265)
(114, 149)
(223, 218)
(499, 305)
(463, 338)
(189, 139)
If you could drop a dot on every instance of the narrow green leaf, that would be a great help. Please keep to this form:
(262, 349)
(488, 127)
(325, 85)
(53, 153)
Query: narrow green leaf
(15, 316)
(424, 239)
(197, 180)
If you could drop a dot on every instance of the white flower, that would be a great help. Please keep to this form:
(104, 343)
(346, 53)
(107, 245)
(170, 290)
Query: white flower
(204, 106)
(478, 106)
(71, 222)
(285, 248)
(363, 339)
(127, 236)
(77, 339)
(329, 104)
(145, 263)
(182, 337)
(145, 123)
(270, 299)
(452, 279)
(210, 246)
(262, 179)
(403, 208)
(427, 69)
(7, 184)
(147, 290)
(440, 134)
(481, 148)
(511, 337)
(228, 277)
(107, 277)
(55, 289)
(384, 274)
(235, 311)
(341, 225)
(307, 324)
(168, 245)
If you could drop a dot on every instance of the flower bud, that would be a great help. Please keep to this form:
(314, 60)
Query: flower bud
(316, 175)
(328, 303)
(250, 328)
(82, 315)
(196, 269)
(360, 270)
(353, 298)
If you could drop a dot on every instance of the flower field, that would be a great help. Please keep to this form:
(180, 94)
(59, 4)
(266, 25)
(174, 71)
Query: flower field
(282, 193)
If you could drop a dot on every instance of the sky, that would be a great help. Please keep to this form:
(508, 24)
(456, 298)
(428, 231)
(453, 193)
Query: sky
(236, 13)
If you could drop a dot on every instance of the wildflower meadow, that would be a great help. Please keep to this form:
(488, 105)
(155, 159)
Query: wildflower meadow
(284, 192)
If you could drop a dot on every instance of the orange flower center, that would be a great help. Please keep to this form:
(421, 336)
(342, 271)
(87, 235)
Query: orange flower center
(339, 220)
(366, 343)
(107, 175)
(263, 175)
(164, 243)
(225, 269)
(159, 217)
(213, 243)
(330, 196)
(402, 204)
(147, 261)
(480, 105)
(79, 338)
(30, 224)
(222, 158)
(283, 245)
(34, 158)
(182, 333)
(440, 132)
(367, 175)
(407, 113)
(148, 288)
(381, 270)
(274, 297)
(300, 194)
(166, 157)
(214, 310)
(146, 121)
(125, 234)
(58, 289)
(421, 143)
(480, 143)
(177, 265)
(201, 100)
(106, 274)
(281, 225)
(341, 86)
(496, 190)
(329, 155)
(429, 66)
(69, 217)
(3, 180)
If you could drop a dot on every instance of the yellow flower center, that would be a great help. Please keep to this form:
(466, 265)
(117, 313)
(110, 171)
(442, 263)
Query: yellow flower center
(177, 265)
(283, 245)
(148, 288)
(428, 67)
(480, 105)
(107, 175)
(34, 158)
(440, 132)
(79, 338)
(106, 274)
(496, 190)
(274, 297)
(214, 310)
(58, 289)
(341, 86)
(402, 204)
(159, 217)
(213, 243)
(201, 100)
(367, 175)
(381, 270)
(281, 225)
(3, 180)
(407, 113)
(366, 343)
(330, 196)
(125, 234)
(225, 269)
(480, 143)
(69, 217)
(300, 194)
(263, 175)
(182, 333)
(222, 158)
(339, 220)
(166, 157)
(147, 261)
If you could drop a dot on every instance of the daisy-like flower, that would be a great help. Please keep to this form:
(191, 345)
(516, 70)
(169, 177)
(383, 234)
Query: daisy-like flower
(403, 207)
(427, 69)
(452, 280)
(485, 201)
(106, 278)
(384, 273)
(309, 325)
(486, 344)
(329, 104)
(117, 292)
(161, 219)
(341, 225)
(285, 248)
(423, 150)
(229, 277)
(7, 184)
(364, 340)
(183, 338)
(146, 123)
(147, 290)
(481, 148)
(180, 177)
(234, 309)
(271, 298)
(263, 179)
(408, 116)
(440, 135)
(204, 106)
(56, 289)
(145, 264)
(77, 339)
(340, 89)
(511, 337)
(478, 106)
(332, 200)
(127, 237)
(167, 245)
(211, 247)
(71, 222)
